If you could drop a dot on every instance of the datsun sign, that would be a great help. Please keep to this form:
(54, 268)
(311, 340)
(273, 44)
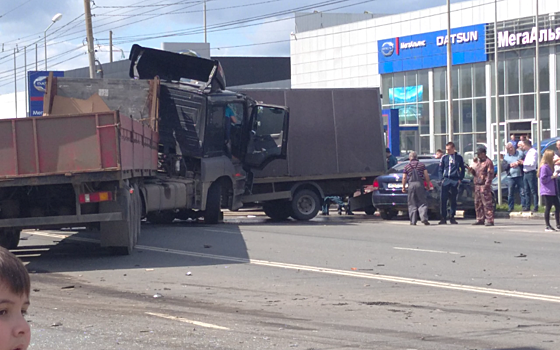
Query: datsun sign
(429, 50)
(37, 84)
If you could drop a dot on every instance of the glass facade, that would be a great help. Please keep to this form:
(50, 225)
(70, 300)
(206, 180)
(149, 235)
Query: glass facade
(421, 98)
(469, 107)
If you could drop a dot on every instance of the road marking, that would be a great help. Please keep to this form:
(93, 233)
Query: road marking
(184, 320)
(426, 250)
(385, 278)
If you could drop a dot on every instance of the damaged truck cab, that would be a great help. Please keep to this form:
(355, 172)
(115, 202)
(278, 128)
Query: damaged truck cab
(170, 143)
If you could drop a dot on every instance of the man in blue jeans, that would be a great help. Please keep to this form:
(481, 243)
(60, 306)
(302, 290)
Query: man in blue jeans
(452, 172)
(513, 158)
(530, 164)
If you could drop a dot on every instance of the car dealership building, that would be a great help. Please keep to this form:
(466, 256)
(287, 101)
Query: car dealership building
(405, 55)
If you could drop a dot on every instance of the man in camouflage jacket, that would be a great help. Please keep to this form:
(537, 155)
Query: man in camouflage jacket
(483, 172)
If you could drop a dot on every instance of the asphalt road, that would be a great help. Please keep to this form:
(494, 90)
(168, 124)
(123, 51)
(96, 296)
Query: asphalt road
(337, 283)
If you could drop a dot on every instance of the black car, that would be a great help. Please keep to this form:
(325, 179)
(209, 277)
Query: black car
(388, 198)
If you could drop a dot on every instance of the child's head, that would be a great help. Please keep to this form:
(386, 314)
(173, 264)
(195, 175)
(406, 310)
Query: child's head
(14, 301)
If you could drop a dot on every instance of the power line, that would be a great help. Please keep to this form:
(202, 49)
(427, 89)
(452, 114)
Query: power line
(216, 27)
(15, 8)
(196, 11)
(143, 6)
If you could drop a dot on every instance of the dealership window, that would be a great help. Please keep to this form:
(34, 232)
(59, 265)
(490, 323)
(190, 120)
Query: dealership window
(440, 84)
(469, 105)
(408, 93)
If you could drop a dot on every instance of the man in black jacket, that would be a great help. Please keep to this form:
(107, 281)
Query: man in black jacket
(451, 172)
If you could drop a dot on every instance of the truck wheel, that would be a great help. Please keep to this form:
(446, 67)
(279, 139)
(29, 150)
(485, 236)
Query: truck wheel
(118, 236)
(370, 210)
(137, 218)
(305, 205)
(277, 210)
(164, 217)
(9, 238)
(213, 204)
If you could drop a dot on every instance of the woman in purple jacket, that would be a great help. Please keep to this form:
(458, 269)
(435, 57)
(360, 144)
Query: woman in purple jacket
(547, 178)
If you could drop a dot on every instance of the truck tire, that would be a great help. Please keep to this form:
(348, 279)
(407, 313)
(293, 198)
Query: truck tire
(9, 238)
(370, 210)
(277, 210)
(305, 205)
(164, 217)
(213, 204)
(119, 236)
(137, 218)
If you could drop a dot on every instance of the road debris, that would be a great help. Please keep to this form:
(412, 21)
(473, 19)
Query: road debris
(521, 255)
(189, 273)
(157, 296)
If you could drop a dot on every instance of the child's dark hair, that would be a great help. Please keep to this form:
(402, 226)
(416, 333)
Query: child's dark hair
(13, 274)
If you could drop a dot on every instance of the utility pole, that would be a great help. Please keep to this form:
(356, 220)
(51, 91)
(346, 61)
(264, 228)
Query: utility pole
(111, 46)
(538, 88)
(15, 79)
(498, 138)
(25, 76)
(89, 34)
(449, 76)
(205, 32)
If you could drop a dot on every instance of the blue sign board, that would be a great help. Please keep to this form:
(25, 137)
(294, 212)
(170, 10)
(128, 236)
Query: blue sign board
(429, 50)
(37, 84)
(393, 130)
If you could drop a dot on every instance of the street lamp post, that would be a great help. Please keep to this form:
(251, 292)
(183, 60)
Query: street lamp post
(55, 19)
(449, 75)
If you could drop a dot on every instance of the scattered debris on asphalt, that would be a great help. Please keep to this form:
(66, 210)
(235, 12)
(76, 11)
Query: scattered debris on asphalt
(157, 296)
(56, 324)
(207, 246)
(67, 287)
(189, 273)
(521, 255)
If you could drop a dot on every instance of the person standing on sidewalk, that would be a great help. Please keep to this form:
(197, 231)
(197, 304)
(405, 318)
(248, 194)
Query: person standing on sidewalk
(452, 172)
(391, 159)
(515, 175)
(548, 190)
(530, 164)
(416, 175)
(483, 172)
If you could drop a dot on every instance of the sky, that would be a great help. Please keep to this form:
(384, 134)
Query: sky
(235, 28)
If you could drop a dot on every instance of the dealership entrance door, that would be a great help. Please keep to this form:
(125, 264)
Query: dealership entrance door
(518, 128)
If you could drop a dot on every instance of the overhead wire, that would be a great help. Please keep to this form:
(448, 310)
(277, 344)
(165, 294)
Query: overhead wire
(315, 36)
(15, 8)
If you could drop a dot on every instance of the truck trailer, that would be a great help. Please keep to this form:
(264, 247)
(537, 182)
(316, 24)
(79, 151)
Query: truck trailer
(170, 143)
(336, 147)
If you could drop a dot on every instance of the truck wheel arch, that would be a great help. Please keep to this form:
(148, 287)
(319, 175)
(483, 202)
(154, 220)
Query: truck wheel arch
(308, 185)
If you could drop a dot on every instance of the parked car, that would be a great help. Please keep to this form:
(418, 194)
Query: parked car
(388, 198)
(420, 156)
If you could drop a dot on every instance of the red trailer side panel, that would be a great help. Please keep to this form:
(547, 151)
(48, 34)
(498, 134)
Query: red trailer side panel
(71, 144)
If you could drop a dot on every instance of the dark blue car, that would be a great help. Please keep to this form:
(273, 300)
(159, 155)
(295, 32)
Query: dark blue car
(388, 198)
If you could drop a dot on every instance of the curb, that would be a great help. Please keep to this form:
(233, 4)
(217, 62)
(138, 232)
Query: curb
(520, 215)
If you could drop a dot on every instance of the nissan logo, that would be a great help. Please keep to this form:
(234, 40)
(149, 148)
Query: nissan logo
(40, 83)
(387, 48)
